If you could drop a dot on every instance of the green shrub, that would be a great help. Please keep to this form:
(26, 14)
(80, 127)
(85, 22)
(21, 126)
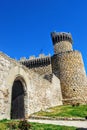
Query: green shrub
(4, 120)
(12, 125)
(24, 125)
(3, 126)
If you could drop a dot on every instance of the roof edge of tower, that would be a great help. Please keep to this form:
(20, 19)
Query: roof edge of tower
(61, 36)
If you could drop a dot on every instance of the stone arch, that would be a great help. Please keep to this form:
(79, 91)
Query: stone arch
(17, 73)
(17, 99)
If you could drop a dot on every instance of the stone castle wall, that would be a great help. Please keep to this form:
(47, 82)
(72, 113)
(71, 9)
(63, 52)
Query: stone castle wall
(43, 70)
(39, 92)
(69, 68)
(62, 46)
(40, 65)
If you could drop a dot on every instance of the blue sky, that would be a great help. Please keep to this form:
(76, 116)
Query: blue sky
(25, 25)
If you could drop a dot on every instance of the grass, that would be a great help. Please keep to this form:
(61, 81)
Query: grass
(38, 126)
(34, 126)
(59, 111)
(65, 111)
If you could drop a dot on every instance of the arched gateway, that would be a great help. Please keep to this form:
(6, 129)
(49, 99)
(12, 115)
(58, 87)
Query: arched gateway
(17, 99)
(18, 93)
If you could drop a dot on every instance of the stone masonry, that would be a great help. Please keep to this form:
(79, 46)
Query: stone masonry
(68, 66)
(39, 93)
(37, 83)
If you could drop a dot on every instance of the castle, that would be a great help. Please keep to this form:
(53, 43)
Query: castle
(34, 84)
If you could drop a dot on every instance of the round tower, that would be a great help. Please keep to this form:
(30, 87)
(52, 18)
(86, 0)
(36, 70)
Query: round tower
(68, 66)
(62, 42)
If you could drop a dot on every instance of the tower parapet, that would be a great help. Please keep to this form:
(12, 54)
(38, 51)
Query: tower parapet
(62, 42)
(62, 36)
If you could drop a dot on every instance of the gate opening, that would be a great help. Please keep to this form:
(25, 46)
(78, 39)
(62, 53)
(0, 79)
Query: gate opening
(17, 101)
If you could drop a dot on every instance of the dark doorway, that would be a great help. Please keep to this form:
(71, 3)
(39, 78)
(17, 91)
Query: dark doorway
(17, 101)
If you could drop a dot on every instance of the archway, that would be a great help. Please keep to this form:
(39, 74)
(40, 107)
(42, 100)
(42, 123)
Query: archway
(17, 100)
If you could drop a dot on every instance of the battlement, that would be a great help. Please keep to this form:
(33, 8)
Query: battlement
(33, 61)
(62, 36)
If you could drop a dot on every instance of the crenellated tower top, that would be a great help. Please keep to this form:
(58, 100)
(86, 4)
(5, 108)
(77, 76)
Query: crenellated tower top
(62, 41)
(62, 36)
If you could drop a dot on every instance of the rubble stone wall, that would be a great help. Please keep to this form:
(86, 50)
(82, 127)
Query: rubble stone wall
(43, 70)
(39, 92)
(62, 46)
(69, 68)
(40, 65)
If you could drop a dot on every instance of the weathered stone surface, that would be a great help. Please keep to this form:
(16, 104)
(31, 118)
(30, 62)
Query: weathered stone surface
(72, 76)
(39, 92)
(40, 65)
(62, 46)
(68, 66)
